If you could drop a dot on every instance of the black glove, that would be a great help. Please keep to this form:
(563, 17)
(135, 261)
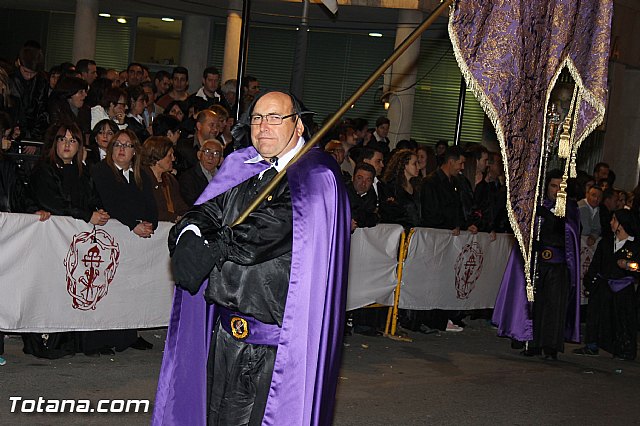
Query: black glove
(192, 261)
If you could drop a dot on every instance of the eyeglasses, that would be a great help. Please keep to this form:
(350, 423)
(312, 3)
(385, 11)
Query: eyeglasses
(118, 145)
(62, 139)
(211, 153)
(273, 119)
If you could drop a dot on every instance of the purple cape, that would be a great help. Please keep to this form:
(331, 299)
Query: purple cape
(512, 312)
(306, 368)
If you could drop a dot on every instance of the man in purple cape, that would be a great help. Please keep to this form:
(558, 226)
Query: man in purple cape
(555, 314)
(263, 344)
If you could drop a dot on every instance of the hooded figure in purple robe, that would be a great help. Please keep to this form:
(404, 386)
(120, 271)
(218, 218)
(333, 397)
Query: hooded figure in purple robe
(553, 317)
(263, 344)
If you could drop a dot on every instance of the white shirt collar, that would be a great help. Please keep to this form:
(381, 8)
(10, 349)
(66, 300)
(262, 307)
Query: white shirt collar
(617, 245)
(125, 172)
(282, 161)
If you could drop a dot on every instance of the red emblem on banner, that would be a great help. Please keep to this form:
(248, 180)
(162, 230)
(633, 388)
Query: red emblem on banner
(467, 268)
(91, 264)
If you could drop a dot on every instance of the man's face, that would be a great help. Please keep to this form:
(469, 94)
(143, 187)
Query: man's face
(135, 75)
(91, 74)
(483, 163)
(151, 97)
(376, 162)
(455, 166)
(253, 88)
(208, 129)
(27, 73)
(114, 77)
(210, 155)
(611, 203)
(495, 167)
(440, 149)
(383, 130)
(211, 83)
(602, 173)
(553, 188)
(180, 82)
(594, 197)
(163, 85)
(275, 140)
(362, 181)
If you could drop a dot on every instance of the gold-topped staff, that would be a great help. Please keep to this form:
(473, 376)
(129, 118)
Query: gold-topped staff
(345, 107)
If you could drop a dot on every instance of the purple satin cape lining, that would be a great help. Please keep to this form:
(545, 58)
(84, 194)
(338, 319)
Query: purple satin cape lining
(308, 358)
(512, 313)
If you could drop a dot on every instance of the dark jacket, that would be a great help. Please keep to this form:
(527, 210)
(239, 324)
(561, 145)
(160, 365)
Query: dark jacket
(63, 192)
(363, 208)
(30, 110)
(60, 111)
(14, 197)
(192, 183)
(440, 203)
(138, 128)
(123, 200)
(401, 208)
(168, 210)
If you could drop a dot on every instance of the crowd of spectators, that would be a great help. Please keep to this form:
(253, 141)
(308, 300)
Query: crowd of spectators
(139, 148)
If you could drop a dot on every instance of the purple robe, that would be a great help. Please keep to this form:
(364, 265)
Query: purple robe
(513, 314)
(306, 368)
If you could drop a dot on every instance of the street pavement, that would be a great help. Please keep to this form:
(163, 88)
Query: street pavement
(467, 378)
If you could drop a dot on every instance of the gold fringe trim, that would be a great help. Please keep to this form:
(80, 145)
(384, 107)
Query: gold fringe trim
(493, 115)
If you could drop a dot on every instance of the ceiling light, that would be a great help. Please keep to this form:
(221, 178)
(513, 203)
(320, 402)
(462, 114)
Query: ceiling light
(121, 20)
(105, 15)
(375, 35)
(168, 19)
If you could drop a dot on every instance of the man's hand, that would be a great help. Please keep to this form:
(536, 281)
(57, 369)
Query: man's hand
(44, 215)
(455, 232)
(143, 229)
(192, 260)
(492, 236)
(590, 241)
(99, 217)
(354, 225)
(473, 229)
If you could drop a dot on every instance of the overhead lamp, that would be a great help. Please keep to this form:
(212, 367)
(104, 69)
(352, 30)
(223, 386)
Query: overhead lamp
(168, 19)
(105, 15)
(375, 35)
(121, 21)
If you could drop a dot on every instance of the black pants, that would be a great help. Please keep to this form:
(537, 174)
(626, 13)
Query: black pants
(550, 307)
(238, 380)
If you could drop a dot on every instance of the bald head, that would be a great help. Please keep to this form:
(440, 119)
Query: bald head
(281, 136)
(207, 125)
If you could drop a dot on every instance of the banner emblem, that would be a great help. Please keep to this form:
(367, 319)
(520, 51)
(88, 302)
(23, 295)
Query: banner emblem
(467, 269)
(91, 264)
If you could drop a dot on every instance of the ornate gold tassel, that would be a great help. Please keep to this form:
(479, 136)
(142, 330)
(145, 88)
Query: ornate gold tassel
(561, 198)
(572, 166)
(564, 148)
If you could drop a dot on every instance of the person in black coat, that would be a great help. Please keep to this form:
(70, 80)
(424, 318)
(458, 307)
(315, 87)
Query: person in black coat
(135, 120)
(66, 103)
(194, 180)
(403, 205)
(60, 183)
(62, 186)
(99, 141)
(362, 198)
(126, 192)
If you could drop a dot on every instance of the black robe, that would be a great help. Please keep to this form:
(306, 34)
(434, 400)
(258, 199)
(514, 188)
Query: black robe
(611, 317)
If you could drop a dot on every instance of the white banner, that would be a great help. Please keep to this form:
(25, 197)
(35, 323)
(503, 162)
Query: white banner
(372, 265)
(458, 273)
(60, 275)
